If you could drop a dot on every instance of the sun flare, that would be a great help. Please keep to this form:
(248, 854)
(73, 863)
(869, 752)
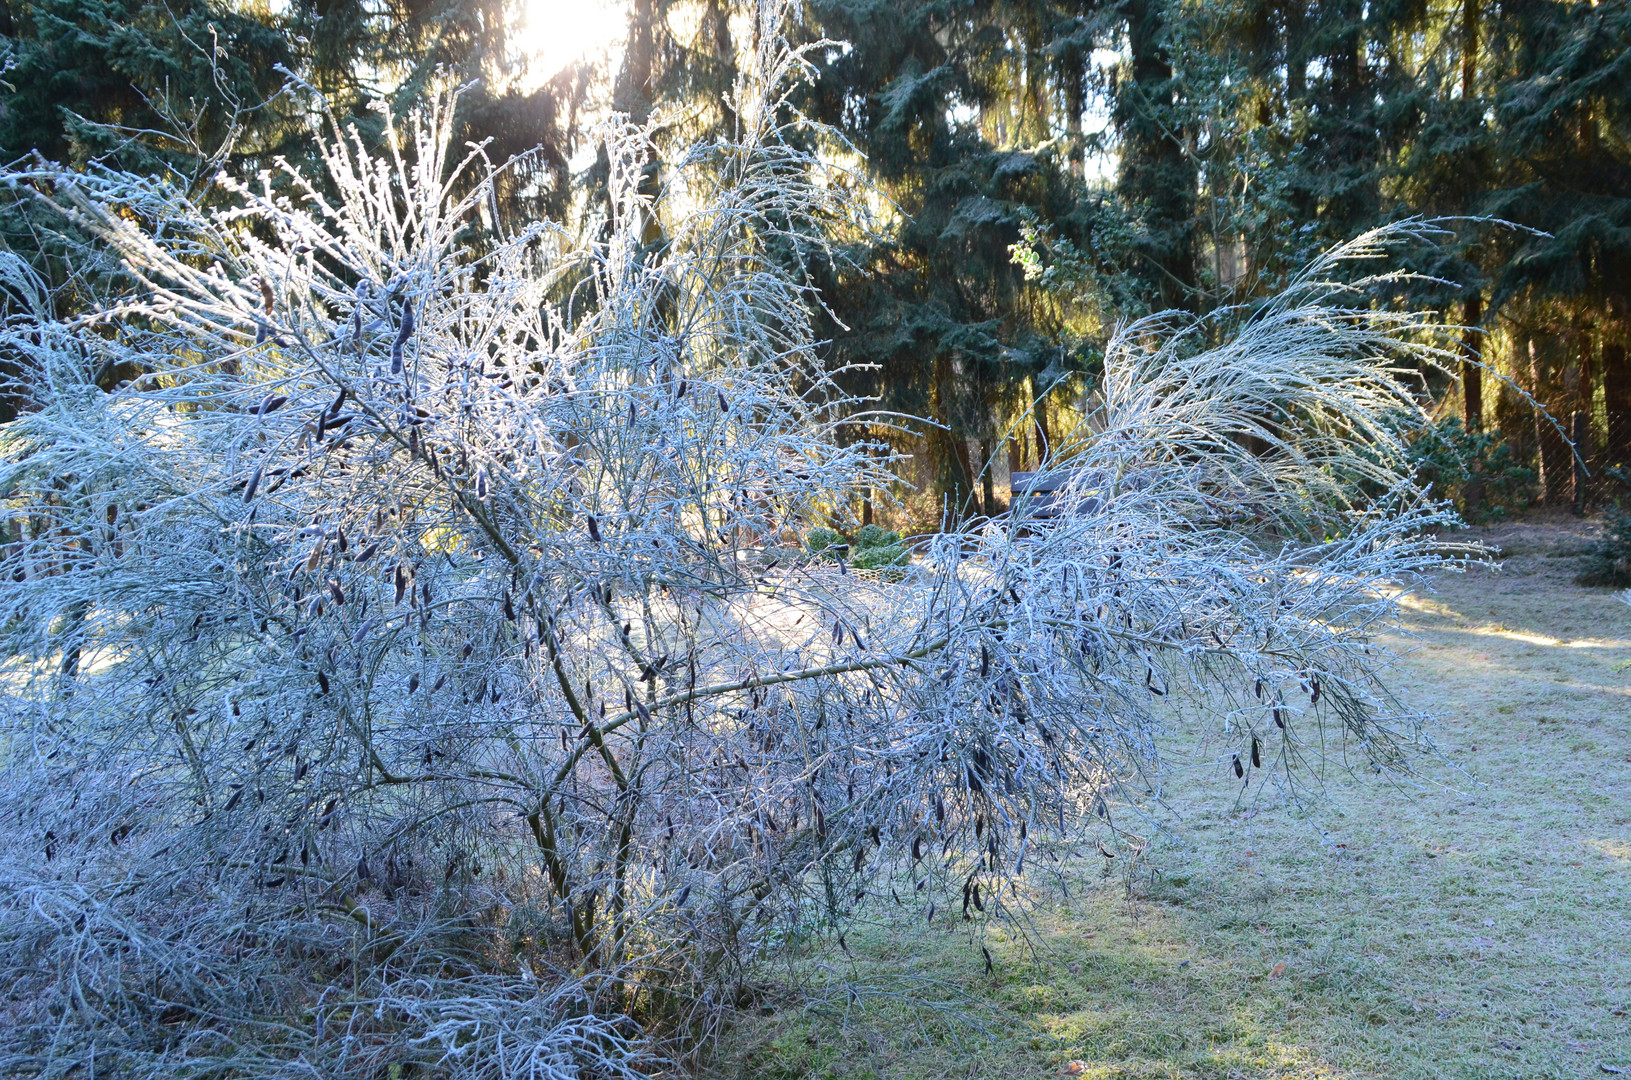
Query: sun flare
(551, 34)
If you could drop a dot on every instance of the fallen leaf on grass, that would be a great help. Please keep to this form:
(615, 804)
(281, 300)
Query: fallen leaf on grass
(1077, 1068)
(1277, 970)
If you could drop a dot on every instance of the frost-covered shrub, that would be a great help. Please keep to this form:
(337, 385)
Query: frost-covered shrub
(400, 673)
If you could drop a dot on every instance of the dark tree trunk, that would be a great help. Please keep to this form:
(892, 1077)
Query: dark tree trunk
(1157, 174)
(1617, 399)
(1472, 375)
(1553, 443)
(1580, 436)
(1472, 391)
(1469, 49)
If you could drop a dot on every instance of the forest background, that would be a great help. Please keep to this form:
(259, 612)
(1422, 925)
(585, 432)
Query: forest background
(1044, 169)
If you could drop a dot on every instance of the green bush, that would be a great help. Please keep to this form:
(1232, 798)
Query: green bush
(1448, 456)
(820, 538)
(874, 536)
(879, 558)
(874, 548)
(1609, 562)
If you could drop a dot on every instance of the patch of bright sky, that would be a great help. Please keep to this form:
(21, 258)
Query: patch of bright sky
(550, 34)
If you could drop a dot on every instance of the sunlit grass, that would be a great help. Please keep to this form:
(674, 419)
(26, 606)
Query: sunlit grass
(1475, 925)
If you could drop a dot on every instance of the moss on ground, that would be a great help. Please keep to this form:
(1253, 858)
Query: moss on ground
(1475, 925)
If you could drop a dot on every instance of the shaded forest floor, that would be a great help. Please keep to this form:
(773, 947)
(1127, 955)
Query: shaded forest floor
(1476, 924)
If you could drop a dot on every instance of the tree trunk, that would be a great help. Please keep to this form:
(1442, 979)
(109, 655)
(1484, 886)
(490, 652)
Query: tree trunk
(1472, 375)
(1553, 444)
(1617, 399)
(1469, 49)
(1472, 396)
(1039, 420)
(1588, 375)
(987, 485)
(1580, 436)
(1296, 51)
(1156, 173)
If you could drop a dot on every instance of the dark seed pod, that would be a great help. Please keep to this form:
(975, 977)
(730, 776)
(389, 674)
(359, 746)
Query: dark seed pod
(401, 583)
(1257, 759)
(685, 894)
(413, 683)
(335, 591)
(271, 404)
(403, 333)
(362, 868)
(930, 919)
(1314, 691)
(1259, 689)
(978, 904)
(232, 802)
(1240, 770)
(254, 483)
(322, 682)
(509, 608)
(594, 527)
(985, 662)
(679, 391)
(837, 632)
(917, 848)
(339, 540)
(1279, 720)
(440, 679)
(723, 406)
(989, 967)
(368, 552)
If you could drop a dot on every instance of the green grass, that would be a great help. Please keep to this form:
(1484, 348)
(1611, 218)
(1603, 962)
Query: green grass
(1478, 925)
